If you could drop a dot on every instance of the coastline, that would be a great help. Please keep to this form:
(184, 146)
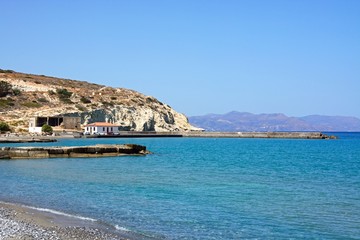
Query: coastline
(24, 222)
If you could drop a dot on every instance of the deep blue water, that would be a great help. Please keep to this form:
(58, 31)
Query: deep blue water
(194, 188)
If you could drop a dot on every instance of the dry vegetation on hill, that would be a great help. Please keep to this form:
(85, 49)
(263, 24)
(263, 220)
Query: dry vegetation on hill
(38, 95)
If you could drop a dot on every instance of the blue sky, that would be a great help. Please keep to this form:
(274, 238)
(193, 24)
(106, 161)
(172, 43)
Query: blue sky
(198, 56)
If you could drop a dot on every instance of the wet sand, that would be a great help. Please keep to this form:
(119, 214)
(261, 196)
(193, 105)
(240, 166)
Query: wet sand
(21, 222)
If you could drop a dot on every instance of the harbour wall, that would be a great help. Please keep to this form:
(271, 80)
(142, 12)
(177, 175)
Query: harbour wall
(78, 151)
(289, 135)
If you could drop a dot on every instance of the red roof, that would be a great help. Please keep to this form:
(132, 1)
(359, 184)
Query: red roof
(101, 124)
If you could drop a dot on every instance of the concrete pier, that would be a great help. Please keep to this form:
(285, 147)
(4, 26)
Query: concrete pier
(26, 140)
(289, 135)
(65, 152)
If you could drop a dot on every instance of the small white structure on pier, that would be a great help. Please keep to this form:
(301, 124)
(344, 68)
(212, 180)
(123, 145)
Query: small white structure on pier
(101, 128)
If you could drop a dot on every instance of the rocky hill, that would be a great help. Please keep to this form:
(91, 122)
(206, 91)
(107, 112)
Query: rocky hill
(26, 95)
(243, 121)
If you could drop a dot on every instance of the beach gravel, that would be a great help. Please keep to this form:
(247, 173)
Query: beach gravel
(13, 227)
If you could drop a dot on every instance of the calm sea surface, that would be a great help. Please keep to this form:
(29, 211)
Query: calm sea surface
(203, 188)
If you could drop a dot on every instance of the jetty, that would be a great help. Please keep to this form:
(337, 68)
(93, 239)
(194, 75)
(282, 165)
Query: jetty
(27, 140)
(288, 135)
(72, 152)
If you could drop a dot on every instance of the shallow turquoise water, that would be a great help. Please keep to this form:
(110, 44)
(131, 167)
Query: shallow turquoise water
(203, 188)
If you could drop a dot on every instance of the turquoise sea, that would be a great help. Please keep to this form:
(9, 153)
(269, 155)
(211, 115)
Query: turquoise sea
(197, 188)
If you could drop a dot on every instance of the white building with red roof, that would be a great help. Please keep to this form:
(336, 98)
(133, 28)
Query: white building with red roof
(101, 128)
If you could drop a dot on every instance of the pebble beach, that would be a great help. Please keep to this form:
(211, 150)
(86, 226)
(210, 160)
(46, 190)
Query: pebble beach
(19, 222)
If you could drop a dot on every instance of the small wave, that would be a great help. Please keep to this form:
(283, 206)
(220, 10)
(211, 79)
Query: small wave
(60, 213)
(137, 234)
(50, 211)
(117, 227)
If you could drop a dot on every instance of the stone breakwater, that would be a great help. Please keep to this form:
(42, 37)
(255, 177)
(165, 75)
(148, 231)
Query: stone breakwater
(78, 151)
(26, 140)
(288, 135)
(195, 134)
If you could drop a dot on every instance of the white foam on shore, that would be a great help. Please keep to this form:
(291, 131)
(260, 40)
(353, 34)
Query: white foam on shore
(61, 213)
(122, 228)
(51, 211)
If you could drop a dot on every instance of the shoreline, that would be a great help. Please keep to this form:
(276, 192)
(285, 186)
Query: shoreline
(18, 221)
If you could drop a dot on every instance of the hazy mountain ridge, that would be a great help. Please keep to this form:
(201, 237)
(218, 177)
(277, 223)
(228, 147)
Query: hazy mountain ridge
(38, 95)
(244, 121)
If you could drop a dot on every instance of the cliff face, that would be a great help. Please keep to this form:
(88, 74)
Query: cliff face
(34, 95)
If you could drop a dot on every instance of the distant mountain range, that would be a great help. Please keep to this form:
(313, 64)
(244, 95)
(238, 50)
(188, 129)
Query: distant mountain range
(244, 121)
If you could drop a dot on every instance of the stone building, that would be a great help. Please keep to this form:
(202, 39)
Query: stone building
(62, 122)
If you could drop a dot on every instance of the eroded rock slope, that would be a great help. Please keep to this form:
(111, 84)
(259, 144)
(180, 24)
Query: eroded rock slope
(38, 95)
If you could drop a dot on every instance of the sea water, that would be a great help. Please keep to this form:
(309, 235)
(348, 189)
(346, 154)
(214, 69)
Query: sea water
(198, 188)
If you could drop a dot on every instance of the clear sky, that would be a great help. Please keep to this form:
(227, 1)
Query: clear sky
(198, 56)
